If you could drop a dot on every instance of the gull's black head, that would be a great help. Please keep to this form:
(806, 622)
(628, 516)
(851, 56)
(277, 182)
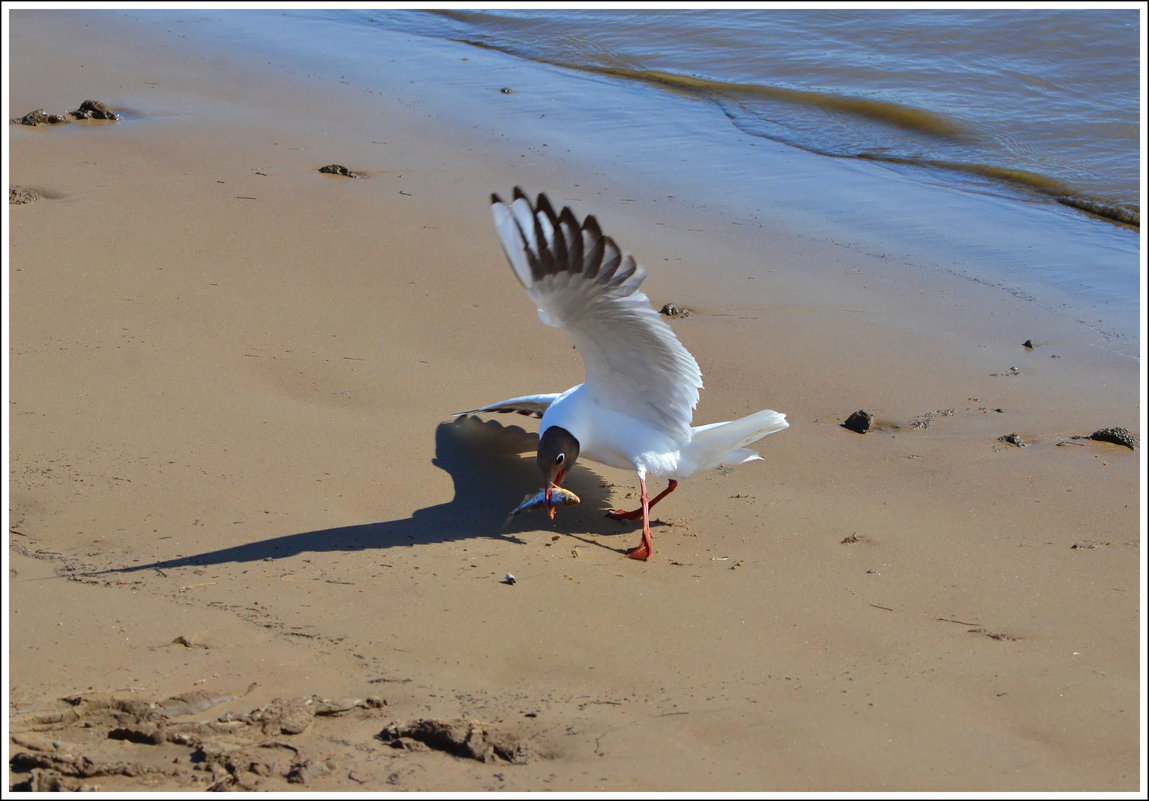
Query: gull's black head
(558, 450)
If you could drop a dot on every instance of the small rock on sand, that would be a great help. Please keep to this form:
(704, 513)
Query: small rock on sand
(860, 421)
(339, 169)
(94, 110)
(674, 310)
(1013, 439)
(1116, 435)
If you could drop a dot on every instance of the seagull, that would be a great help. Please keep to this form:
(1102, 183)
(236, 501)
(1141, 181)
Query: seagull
(636, 406)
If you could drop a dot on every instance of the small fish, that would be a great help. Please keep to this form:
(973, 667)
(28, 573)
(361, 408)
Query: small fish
(559, 497)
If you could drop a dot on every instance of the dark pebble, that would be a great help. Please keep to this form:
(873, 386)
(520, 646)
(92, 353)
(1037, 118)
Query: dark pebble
(338, 169)
(860, 421)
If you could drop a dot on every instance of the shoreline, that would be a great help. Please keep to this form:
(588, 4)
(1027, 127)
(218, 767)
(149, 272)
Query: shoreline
(777, 196)
(594, 126)
(233, 471)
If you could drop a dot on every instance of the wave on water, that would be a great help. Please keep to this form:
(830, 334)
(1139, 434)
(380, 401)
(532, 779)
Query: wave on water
(913, 119)
(907, 117)
(732, 96)
(1031, 180)
(1041, 103)
(1060, 192)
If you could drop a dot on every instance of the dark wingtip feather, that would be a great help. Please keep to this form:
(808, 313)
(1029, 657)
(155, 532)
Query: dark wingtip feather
(597, 256)
(544, 205)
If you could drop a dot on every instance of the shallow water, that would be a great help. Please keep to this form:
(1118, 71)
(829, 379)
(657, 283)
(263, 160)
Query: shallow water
(942, 139)
(1036, 100)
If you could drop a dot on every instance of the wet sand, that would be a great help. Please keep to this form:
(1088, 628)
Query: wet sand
(235, 480)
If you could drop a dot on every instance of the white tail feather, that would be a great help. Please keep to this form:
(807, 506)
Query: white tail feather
(725, 443)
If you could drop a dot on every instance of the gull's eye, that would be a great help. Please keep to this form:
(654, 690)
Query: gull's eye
(562, 457)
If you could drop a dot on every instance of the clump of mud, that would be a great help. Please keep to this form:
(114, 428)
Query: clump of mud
(88, 110)
(462, 738)
(1117, 435)
(67, 748)
(19, 195)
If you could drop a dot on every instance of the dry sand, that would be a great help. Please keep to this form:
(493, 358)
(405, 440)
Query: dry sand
(235, 480)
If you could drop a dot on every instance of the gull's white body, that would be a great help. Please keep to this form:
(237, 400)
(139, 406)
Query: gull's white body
(635, 408)
(620, 439)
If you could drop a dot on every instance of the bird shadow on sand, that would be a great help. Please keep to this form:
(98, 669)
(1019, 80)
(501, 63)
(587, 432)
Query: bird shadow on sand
(493, 467)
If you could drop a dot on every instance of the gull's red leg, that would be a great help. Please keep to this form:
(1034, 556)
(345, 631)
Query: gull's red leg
(637, 513)
(646, 548)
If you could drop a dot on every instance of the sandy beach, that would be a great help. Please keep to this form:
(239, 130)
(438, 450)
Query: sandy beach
(251, 549)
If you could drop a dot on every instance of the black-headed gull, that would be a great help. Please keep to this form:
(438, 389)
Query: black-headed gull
(636, 405)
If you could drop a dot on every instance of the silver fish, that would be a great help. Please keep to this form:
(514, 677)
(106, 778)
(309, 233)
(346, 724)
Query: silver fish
(560, 496)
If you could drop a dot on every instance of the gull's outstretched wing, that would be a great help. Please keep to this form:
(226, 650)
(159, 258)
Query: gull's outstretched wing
(533, 405)
(583, 284)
